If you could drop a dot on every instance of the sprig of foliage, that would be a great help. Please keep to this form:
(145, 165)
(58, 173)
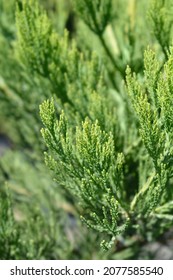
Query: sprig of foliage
(110, 152)
(88, 158)
(149, 104)
(160, 15)
(96, 14)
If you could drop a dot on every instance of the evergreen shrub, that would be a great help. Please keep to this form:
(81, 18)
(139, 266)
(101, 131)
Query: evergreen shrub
(86, 118)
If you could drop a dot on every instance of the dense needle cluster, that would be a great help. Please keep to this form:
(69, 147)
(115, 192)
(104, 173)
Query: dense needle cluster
(99, 108)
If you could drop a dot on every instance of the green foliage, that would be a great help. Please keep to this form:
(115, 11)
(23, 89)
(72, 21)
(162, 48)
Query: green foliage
(7, 10)
(32, 39)
(155, 129)
(33, 238)
(107, 128)
(162, 23)
(96, 14)
(87, 157)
